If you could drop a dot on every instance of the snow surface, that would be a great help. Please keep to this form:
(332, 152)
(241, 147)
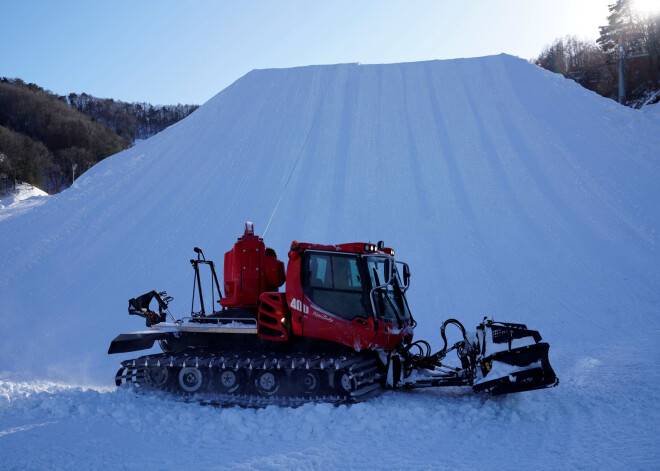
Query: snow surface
(510, 191)
(652, 111)
(20, 199)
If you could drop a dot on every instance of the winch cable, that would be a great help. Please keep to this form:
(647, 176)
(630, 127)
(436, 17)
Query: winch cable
(316, 115)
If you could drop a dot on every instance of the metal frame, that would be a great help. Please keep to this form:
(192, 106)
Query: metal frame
(198, 282)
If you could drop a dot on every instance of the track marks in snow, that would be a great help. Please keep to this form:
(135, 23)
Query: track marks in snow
(395, 430)
(22, 428)
(584, 423)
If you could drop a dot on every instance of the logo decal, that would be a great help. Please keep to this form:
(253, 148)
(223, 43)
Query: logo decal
(298, 305)
(323, 317)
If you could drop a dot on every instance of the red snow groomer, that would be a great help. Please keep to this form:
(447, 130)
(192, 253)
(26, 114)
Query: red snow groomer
(340, 332)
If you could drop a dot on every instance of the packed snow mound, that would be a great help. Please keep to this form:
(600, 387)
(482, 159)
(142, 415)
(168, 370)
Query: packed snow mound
(510, 191)
(15, 200)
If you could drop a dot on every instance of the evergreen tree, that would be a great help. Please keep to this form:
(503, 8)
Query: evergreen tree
(622, 24)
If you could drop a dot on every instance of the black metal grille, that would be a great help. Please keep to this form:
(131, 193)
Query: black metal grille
(504, 335)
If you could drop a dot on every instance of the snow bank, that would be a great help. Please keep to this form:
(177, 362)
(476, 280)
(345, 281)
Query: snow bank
(652, 111)
(19, 200)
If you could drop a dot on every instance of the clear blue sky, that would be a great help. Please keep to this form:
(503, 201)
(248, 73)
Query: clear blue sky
(167, 52)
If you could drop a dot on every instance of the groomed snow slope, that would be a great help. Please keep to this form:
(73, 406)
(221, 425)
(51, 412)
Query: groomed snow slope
(510, 191)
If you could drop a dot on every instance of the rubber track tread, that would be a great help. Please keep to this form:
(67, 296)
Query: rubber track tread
(362, 371)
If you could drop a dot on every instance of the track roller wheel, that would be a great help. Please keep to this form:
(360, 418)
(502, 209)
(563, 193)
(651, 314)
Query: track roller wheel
(343, 382)
(268, 382)
(307, 382)
(230, 381)
(158, 376)
(119, 380)
(190, 379)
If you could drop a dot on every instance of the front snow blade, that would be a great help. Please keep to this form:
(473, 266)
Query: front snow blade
(512, 359)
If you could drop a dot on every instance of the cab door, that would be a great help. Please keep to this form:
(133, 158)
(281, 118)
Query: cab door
(336, 305)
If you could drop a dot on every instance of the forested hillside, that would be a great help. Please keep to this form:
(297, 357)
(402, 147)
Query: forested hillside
(595, 64)
(46, 139)
(42, 138)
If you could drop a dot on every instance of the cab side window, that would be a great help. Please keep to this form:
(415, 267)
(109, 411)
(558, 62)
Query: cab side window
(334, 284)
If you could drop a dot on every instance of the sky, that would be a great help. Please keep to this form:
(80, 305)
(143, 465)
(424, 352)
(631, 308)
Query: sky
(168, 52)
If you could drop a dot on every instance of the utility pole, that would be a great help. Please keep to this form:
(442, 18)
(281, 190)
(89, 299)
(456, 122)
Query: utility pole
(630, 39)
(3, 157)
(4, 180)
(622, 83)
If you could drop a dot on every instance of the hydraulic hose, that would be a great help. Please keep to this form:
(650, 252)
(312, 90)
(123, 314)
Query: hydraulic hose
(443, 352)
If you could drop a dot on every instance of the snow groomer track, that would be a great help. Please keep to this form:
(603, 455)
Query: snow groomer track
(255, 379)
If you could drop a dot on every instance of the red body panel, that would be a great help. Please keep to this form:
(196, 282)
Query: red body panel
(249, 270)
(351, 247)
(309, 320)
(294, 291)
(273, 317)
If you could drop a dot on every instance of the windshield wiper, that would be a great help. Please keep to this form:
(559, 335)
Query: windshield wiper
(385, 295)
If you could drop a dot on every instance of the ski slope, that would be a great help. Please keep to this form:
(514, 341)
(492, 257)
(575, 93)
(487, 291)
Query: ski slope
(510, 191)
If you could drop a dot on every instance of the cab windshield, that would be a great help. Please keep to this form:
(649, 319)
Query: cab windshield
(387, 296)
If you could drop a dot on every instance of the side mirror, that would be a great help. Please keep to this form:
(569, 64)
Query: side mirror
(406, 275)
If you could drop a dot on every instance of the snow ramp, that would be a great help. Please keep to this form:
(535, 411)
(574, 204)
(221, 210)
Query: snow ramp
(511, 192)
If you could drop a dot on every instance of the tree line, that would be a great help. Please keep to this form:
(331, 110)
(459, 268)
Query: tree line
(594, 64)
(44, 137)
(133, 121)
